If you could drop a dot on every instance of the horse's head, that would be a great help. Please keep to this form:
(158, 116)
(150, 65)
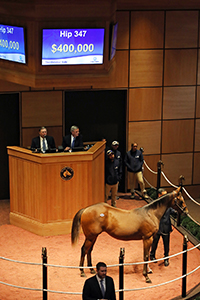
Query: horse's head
(179, 202)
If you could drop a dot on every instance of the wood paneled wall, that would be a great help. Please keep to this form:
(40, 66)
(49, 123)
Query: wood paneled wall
(158, 62)
(164, 101)
(41, 109)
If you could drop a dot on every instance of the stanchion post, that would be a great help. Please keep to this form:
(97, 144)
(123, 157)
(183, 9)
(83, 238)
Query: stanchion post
(181, 178)
(121, 273)
(185, 240)
(44, 261)
(158, 175)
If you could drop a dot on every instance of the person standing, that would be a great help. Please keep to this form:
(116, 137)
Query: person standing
(100, 286)
(111, 177)
(134, 163)
(43, 142)
(165, 228)
(117, 160)
(72, 140)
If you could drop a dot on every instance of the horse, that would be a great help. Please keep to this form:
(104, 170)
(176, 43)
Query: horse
(136, 224)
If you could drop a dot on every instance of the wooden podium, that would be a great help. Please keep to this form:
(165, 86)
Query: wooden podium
(46, 190)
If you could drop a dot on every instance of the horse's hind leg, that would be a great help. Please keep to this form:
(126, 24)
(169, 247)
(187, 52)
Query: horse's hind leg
(84, 251)
(89, 258)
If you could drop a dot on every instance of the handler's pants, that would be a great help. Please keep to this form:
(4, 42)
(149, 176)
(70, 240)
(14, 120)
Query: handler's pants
(134, 178)
(166, 241)
(113, 188)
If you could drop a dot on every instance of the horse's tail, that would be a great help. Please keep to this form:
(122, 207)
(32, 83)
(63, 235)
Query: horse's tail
(76, 227)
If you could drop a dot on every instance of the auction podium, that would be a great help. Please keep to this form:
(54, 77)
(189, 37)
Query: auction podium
(46, 190)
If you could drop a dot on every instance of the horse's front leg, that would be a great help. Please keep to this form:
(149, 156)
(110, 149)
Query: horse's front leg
(147, 244)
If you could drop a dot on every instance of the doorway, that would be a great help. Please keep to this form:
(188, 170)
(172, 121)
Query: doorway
(98, 114)
(10, 136)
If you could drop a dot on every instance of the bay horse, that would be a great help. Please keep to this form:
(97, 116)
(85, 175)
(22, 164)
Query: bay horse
(136, 224)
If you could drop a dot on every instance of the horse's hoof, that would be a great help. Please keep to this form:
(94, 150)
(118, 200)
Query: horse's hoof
(148, 280)
(150, 271)
(83, 274)
(92, 271)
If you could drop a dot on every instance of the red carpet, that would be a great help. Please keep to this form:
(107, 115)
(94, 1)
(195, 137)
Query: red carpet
(21, 245)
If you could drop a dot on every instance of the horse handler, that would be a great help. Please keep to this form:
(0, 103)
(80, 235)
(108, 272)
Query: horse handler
(111, 177)
(134, 162)
(165, 228)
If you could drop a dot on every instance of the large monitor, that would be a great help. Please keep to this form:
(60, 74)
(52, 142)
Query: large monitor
(72, 46)
(12, 43)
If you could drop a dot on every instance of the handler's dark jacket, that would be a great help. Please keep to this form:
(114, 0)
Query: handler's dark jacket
(165, 222)
(111, 173)
(134, 161)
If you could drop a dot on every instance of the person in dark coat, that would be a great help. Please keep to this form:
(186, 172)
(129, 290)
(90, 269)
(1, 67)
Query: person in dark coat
(165, 228)
(75, 139)
(117, 158)
(100, 286)
(111, 177)
(134, 163)
(43, 142)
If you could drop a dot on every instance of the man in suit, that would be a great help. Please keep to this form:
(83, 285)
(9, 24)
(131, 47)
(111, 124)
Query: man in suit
(43, 141)
(165, 228)
(100, 286)
(72, 140)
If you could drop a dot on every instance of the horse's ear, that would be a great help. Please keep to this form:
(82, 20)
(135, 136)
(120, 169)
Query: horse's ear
(178, 190)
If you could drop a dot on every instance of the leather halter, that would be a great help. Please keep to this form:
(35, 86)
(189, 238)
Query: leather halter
(176, 203)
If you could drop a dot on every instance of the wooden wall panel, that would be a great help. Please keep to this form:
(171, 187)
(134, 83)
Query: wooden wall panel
(29, 133)
(123, 30)
(146, 68)
(151, 161)
(177, 136)
(142, 35)
(197, 135)
(179, 102)
(180, 67)
(196, 173)
(145, 104)
(42, 108)
(6, 86)
(198, 103)
(176, 165)
(181, 29)
(147, 135)
(118, 76)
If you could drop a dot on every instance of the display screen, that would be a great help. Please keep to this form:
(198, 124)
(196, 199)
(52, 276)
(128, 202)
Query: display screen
(12, 45)
(113, 41)
(72, 46)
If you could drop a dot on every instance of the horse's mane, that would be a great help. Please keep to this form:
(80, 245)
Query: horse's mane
(163, 200)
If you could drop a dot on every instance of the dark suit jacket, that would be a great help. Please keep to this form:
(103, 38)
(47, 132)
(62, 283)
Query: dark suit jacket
(67, 141)
(36, 142)
(92, 290)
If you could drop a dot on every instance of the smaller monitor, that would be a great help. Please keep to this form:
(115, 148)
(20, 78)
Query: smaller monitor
(12, 43)
(113, 43)
(77, 149)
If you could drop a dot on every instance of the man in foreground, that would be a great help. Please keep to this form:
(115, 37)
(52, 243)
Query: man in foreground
(100, 286)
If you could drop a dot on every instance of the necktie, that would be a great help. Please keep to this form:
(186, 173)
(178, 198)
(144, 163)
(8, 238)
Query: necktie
(102, 288)
(44, 145)
(73, 143)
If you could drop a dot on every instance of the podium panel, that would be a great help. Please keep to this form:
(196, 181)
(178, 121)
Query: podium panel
(46, 190)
